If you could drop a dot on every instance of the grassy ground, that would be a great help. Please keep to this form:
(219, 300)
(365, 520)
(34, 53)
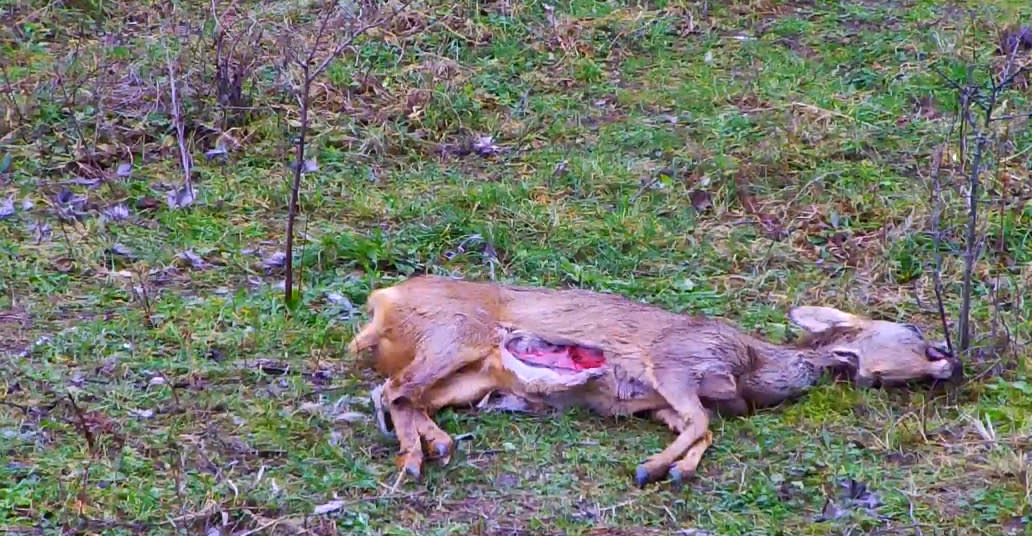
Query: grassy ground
(731, 160)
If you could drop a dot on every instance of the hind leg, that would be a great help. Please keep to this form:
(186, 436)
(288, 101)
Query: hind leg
(690, 461)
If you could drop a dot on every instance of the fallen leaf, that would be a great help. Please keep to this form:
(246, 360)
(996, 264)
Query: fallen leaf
(485, 146)
(351, 417)
(180, 198)
(194, 260)
(271, 367)
(311, 165)
(40, 230)
(142, 413)
(7, 207)
(117, 212)
(701, 199)
(147, 203)
(327, 508)
(121, 250)
(858, 494)
(219, 151)
(275, 261)
(69, 205)
(830, 511)
(337, 298)
(82, 181)
(311, 407)
(124, 169)
(64, 264)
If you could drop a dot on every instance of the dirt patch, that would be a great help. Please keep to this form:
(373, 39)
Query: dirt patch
(15, 325)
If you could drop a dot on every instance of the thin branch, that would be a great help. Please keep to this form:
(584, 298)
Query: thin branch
(303, 98)
(971, 244)
(937, 208)
(177, 119)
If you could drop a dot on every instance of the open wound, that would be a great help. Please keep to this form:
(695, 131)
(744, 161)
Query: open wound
(540, 353)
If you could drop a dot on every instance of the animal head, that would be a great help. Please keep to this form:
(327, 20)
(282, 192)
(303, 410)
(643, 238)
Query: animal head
(882, 352)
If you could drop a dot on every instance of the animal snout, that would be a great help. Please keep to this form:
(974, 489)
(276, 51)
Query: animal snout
(938, 353)
(957, 373)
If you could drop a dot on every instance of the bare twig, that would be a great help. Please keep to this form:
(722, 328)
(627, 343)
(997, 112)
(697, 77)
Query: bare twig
(971, 249)
(971, 96)
(177, 120)
(937, 208)
(84, 428)
(9, 92)
(311, 68)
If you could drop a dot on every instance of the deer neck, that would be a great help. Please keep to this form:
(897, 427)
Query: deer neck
(780, 372)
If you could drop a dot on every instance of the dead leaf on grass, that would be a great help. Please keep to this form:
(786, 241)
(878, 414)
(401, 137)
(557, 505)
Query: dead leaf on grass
(142, 413)
(274, 262)
(853, 496)
(1015, 40)
(119, 249)
(124, 169)
(117, 212)
(351, 417)
(194, 260)
(701, 200)
(64, 264)
(328, 508)
(219, 151)
(271, 367)
(311, 166)
(40, 231)
(180, 197)
(7, 207)
(344, 305)
(83, 181)
(69, 206)
(485, 146)
(147, 203)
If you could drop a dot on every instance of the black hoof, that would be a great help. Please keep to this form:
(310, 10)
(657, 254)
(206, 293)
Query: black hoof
(641, 476)
(413, 470)
(676, 478)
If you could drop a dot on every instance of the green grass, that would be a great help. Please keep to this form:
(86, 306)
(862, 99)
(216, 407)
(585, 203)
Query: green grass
(610, 115)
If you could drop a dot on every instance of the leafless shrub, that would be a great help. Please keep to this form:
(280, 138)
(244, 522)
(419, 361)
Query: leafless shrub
(980, 132)
(307, 53)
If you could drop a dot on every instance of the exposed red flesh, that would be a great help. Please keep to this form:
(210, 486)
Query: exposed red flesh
(562, 357)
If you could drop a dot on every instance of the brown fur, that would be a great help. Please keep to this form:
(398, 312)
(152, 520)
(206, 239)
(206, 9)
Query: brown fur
(439, 342)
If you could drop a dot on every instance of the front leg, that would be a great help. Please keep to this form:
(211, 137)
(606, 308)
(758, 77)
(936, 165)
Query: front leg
(442, 354)
(464, 388)
(695, 425)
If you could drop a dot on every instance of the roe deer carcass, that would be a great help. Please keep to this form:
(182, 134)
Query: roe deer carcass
(446, 342)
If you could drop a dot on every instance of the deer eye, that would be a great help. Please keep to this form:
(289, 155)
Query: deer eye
(937, 353)
(915, 329)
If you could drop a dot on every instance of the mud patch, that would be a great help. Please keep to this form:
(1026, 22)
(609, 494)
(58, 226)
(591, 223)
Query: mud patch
(16, 323)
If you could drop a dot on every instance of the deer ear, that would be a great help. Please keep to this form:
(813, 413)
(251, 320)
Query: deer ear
(817, 319)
